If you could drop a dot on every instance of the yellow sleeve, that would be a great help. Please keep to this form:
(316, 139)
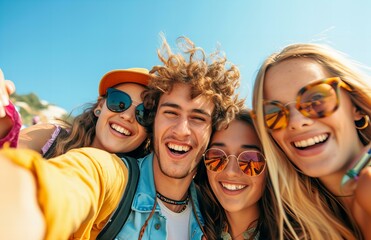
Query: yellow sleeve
(77, 191)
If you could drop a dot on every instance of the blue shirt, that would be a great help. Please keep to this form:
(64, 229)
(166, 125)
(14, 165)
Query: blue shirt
(143, 202)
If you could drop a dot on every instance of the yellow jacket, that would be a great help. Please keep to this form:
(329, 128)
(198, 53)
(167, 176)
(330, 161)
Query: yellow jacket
(77, 191)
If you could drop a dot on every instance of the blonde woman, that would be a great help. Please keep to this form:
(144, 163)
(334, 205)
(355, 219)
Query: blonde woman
(312, 109)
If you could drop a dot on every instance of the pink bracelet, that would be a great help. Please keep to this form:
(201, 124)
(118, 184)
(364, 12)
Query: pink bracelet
(13, 134)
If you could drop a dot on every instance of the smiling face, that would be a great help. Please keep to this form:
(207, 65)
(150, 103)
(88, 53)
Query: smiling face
(321, 147)
(236, 191)
(182, 129)
(120, 132)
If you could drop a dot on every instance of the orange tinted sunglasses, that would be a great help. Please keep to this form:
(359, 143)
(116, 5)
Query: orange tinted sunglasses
(251, 162)
(316, 100)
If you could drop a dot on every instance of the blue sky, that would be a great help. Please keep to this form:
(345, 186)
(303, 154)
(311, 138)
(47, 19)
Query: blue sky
(60, 49)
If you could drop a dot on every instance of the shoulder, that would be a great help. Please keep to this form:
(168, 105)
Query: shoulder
(93, 156)
(91, 153)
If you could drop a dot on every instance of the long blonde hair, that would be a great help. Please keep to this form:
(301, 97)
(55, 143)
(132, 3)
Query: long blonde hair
(307, 209)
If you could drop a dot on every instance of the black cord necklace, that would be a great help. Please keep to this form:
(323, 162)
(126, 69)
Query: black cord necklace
(171, 201)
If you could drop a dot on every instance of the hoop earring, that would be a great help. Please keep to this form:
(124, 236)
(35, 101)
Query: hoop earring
(363, 122)
(97, 112)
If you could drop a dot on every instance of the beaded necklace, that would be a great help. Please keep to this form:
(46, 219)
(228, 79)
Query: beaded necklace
(174, 202)
(171, 201)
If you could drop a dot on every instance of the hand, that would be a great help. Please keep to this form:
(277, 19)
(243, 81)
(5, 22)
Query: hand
(363, 190)
(19, 218)
(6, 89)
(361, 208)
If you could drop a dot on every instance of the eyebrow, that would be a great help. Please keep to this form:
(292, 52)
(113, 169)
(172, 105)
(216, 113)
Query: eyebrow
(195, 110)
(245, 146)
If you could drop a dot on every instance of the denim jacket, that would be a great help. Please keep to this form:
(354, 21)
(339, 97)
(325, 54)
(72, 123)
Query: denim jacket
(141, 208)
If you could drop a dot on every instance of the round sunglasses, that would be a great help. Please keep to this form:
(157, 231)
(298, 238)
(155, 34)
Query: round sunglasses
(251, 163)
(316, 100)
(118, 101)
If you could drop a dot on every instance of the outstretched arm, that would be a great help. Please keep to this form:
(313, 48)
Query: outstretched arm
(36, 136)
(76, 191)
(21, 217)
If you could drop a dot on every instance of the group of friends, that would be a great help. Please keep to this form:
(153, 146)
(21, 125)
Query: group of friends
(209, 167)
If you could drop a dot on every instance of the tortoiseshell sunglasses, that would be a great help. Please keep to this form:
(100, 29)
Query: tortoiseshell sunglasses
(316, 100)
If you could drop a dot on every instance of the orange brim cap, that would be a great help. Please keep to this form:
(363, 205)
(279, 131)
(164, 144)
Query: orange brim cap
(118, 76)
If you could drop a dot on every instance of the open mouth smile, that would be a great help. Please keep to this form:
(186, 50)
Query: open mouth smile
(233, 187)
(178, 149)
(120, 129)
(311, 141)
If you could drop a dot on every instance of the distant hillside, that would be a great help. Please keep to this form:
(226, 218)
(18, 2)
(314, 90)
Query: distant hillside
(32, 108)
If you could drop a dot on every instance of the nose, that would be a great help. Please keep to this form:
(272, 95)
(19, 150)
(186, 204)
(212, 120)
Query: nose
(181, 128)
(297, 120)
(128, 114)
(232, 167)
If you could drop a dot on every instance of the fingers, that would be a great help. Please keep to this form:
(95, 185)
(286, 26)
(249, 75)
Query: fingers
(10, 87)
(6, 88)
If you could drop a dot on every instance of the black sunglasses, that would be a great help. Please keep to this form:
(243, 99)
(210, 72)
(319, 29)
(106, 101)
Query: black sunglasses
(118, 101)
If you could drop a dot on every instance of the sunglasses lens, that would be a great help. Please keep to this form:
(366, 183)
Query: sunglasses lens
(141, 114)
(215, 160)
(117, 101)
(318, 100)
(275, 116)
(251, 163)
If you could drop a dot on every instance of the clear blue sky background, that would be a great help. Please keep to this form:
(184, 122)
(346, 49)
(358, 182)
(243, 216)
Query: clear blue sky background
(59, 49)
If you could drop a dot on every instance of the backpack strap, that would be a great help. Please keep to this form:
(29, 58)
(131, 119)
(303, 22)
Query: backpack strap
(120, 215)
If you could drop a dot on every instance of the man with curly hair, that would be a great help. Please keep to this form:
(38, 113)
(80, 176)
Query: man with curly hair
(189, 98)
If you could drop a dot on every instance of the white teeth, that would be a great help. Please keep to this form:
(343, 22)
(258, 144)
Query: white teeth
(178, 147)
(233, 187)
(311, 141)
(121, 129)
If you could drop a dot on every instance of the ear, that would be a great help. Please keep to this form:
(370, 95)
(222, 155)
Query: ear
(357, 114)
(101, 101)
(97, 111)
(99, 107)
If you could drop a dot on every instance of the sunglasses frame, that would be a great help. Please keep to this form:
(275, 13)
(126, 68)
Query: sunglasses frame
(109, 93)
(237, 159)
(334, 82)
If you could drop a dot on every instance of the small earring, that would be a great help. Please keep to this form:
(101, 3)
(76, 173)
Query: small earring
(363, 122)
(97, 112)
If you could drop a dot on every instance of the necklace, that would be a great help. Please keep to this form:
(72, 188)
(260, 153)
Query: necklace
(171, 201)
(183, 208)
(247, 234)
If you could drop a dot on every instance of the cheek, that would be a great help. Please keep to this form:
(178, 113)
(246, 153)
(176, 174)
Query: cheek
(260, 184)
(204, 138)
(142, 135)
(278, 137)
(158, 126)
(211, 177)
(99, 126)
